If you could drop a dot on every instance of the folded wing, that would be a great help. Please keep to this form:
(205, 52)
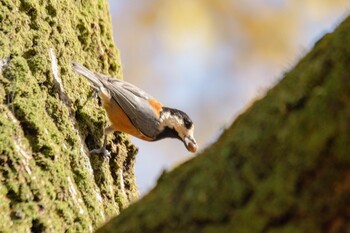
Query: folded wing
(135, 103)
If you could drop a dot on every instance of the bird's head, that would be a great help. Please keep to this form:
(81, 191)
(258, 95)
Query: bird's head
(177, 124)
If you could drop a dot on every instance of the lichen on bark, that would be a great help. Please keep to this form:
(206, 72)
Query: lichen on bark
(48, 180)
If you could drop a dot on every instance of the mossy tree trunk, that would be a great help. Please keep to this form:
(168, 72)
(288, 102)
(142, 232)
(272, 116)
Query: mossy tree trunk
(48, 181)
(283, 165)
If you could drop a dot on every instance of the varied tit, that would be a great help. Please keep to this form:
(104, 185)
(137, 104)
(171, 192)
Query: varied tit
(133, 111)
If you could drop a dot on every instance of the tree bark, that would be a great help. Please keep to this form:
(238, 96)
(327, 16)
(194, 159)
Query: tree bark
(282, 166)
(48, 180)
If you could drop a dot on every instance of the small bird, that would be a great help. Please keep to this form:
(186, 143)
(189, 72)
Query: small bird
(133, 111)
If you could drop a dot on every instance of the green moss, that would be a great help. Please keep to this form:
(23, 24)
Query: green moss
(48, 181)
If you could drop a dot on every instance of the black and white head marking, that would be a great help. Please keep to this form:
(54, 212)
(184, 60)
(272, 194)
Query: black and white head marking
(177, 124)
(176, 120)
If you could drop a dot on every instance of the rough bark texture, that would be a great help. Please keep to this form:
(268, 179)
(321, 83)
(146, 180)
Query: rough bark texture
(48, 181)
(283, 166)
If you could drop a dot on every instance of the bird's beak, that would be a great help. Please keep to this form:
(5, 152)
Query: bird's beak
(190, 144)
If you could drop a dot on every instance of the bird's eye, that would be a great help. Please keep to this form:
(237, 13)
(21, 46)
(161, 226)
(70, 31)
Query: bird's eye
(187, 123)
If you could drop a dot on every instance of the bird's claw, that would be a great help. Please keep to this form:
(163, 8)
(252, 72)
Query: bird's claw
(103, 151)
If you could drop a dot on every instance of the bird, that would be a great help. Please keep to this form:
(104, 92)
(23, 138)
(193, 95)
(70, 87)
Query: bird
(133, 111)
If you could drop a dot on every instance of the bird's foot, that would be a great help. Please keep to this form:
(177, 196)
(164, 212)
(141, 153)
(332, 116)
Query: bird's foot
(103, 151)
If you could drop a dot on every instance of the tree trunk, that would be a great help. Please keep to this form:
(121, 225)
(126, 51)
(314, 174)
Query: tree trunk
(48, 180)
(283, 165)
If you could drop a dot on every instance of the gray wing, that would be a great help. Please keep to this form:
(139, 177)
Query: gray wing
(128, 86)
(134, 102)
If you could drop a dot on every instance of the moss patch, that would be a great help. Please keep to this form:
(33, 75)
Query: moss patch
(48, 182)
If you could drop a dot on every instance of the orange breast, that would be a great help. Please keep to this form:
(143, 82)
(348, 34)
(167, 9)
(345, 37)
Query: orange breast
(120, 121)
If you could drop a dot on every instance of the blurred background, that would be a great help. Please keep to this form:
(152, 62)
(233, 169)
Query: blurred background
(211, 59)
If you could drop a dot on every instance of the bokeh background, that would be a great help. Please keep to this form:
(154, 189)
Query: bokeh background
(211, 59)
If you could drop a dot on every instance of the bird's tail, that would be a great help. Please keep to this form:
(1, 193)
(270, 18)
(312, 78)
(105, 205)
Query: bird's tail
(91, 76)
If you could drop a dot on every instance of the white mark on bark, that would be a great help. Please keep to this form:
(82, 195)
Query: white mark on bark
(25, 157)
(54, 66)
(4, 63)
(98, 197)
(121, 182)
(73, 192)
(20, 148)
(12, 117)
